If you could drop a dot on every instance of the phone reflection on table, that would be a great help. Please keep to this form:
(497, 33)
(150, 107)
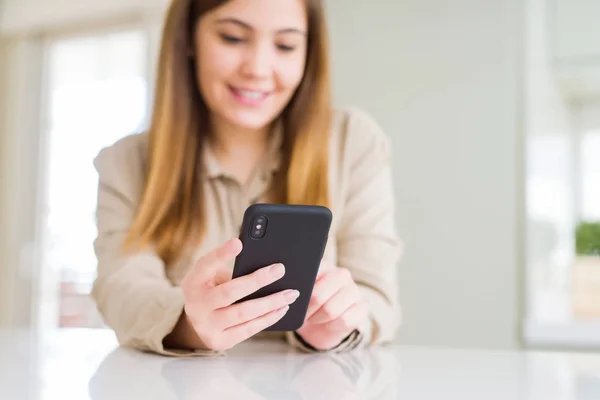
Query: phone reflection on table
(248, 374)
(292, 376)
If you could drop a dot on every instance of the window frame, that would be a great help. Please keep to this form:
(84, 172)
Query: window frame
(28, 297)
(571, 333)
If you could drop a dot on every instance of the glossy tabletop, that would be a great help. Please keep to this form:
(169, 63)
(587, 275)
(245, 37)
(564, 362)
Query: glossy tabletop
(88, 364)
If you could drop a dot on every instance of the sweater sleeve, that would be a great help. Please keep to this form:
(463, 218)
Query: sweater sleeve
(131, 291)
(367, 242)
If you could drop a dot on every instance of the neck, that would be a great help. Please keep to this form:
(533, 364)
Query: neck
(227, 139)
(238, 150)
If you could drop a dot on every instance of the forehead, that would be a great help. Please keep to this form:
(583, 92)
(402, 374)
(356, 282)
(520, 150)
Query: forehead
(265, 14)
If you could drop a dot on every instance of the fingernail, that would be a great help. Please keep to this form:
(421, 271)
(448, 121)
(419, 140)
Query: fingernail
(277, 270)
(291, 295)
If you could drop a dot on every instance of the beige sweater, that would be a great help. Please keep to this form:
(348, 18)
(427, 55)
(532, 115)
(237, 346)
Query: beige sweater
(139, 296)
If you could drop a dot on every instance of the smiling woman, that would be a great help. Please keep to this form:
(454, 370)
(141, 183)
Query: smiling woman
(233, 45)
(242, 115)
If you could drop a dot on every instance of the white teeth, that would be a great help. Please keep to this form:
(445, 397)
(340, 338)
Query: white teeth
(251, 94)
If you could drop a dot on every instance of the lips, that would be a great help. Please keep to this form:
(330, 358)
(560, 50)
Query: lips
(249, 96)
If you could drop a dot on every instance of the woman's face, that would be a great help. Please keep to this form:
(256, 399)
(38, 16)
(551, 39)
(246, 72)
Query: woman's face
(251, 56)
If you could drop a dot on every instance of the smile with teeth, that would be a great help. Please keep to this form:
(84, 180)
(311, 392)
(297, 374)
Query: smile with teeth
(249, 96)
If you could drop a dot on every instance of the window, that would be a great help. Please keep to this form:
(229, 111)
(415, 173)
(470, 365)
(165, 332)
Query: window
(585, 276)
(590, 173)
(96, 93)
(550, 223)
(563, 211)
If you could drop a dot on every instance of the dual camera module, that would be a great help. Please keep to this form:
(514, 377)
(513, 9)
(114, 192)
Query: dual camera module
(259, 227)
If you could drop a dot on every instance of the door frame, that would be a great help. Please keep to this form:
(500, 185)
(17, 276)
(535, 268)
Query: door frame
(26, 183)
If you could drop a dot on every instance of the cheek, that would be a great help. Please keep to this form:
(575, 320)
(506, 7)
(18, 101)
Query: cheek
(291, 72)
(214, 63)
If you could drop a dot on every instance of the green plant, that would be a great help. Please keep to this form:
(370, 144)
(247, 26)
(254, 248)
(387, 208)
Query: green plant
(587, 238)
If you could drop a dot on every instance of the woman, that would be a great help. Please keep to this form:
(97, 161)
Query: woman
(242, 115)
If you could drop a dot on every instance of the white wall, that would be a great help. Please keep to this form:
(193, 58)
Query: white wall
(588, 116)
(443, 78)
(576, 37)
(5, 292)
(574, 46)
(18, 16)
(7, 270)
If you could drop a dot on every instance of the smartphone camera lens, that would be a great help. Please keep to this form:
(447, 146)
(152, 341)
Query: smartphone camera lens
(259, 227)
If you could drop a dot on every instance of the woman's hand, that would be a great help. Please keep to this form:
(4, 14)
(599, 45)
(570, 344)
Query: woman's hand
(209, 294)
(336, 309)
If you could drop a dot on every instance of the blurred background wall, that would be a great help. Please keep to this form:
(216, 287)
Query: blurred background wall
(481, 99)
(444, 80)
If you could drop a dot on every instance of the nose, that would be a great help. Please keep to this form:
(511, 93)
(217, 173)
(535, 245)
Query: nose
(258, 62)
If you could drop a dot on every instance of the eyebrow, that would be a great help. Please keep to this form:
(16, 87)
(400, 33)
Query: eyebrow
(247, 26)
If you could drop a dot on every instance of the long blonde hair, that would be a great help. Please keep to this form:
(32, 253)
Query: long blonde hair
(170, 217)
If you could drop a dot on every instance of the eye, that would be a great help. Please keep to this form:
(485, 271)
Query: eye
(286, 48)
(231, 39)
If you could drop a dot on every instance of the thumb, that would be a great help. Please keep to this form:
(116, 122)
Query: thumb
(206, 267)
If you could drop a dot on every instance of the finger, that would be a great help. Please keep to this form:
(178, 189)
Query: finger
(251, 309)
(336, 305)
(350, 319)
(222, 275)
(324, 268)
(238, 288)
(206, 266)
(239, 333)
(320, 274)
(324, 289)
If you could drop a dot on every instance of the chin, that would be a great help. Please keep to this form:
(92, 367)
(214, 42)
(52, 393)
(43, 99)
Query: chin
(253, 122)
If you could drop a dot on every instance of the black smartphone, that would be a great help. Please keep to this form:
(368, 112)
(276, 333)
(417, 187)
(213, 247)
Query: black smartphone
(294, 235)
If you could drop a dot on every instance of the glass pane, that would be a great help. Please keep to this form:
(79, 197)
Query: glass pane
(97, 95)
(585, 285)
(550, 224)
(590, 175)
(563, 231)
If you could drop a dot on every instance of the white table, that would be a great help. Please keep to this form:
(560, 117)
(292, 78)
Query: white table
(87, 364)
